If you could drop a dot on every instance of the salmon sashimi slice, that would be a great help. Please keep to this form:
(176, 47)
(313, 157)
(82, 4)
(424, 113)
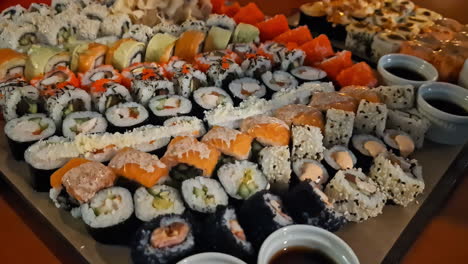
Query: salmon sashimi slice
(169, 236)
(317, 50)
(361, 93)
(334, 65)
(334, 100)
(358, 74)
(269, 131)
(229, 141)
(273, 27)
(299, 35)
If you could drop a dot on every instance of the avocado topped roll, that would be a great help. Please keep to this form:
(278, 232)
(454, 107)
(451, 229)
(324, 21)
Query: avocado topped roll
(160, 48)
(246, 33)
(106, 94)
(85, 122)
(124, 53)
(67, 100)
(217, 39)
(87, 56)
(21, 101)
(43, 59)
(19, 37)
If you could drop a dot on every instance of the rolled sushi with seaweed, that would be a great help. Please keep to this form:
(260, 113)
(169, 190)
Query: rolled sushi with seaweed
(366, 147)
(203, 194)
(163, 107)
(83, 122)
(279, 80)
(243, 88)
(410, 121)
(18, 36)
(189, 80)
(255, 65)
(207, 98)
(126, 116)
(339, 158)
(65, 101)
(157, 201)
(21, 101)
(275, 163)
(311, 170)
(221, 74)
(106, 94)
(149, 144)
(309, 74)
(401, 143)
(98, 73)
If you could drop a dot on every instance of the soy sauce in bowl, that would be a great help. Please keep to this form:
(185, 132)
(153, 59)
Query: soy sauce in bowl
(448, 107)
(301, 255)
(406, 74)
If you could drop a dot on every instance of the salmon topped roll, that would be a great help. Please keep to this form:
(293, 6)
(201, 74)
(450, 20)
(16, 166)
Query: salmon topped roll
(361, 93)
(229, 141)
(300, 115)
(187, 158)
(138, 166)
(334, 100)
(269, 131)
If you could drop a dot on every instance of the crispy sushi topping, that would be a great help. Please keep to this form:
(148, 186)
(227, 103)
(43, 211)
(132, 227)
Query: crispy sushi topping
(169, 236)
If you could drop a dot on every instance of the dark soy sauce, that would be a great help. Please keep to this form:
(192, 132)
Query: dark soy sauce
(406, 73)
(301, 255)
(448, 107)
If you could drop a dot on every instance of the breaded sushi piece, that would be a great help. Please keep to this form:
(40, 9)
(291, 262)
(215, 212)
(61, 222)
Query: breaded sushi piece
(371, 118)
(338, 127)
(12, 64)
(307, 143)
(334, 100)
(124, 53)
(269, 131)
(229, 141)
(140, 167)
(186, 157)
(361, 93)
(87, 56)
(275, 163)
(301, 115)
(397, 96)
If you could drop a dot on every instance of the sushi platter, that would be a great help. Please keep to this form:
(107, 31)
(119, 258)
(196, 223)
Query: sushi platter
(150, 137)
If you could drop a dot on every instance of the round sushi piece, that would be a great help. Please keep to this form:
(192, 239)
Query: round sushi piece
(355, 195)
(366, 147)
(43, 59)
(106, 94)
(167, 239)
(292, 59)
(242, 49)
(339, 158)
(308, 204)
(223, 233)
(166, 106)
(310, 170)
(207, 98)
(166, 27)
(66, 101)
(262, 214)
(192, 24)
(189, 80)
(307, 74)
(222, 21)
(242, 179)
(109, 216)
(21, 101)
(279, 80)
(273, 51)
(98, 73)
(12, 64)
(124, 53)
(57, 76)
(85, 122)
(203, 194)
(256, 65)
(156, 147)
(197, 128)
(243, 88)
(156, 201)
(126, 116)
(24, 131)
(223, 72)
(400, 142)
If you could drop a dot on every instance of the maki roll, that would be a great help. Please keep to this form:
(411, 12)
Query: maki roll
(355, 195)
(189, 80)
(338, 127)
(366, 148)
(53, 32)
(87, 56)
(279, 80)
(255, 65)
(109, 216)
(242, 179)
(308, 74)
(292, 59)
(359, 38)
(370, 118)
(160, 48)
(13, 12)
(189, 44)
(144, 90)
(18, 36)
(242, 49)
(157, 201)
(275, 163)
(243, 88)
(166, 106)
(124, 53)
(67, 100)
(21, 101)
(43, 59)
(24, 131)
(204, 60)
(385, 43)
(61, 75)
(400, 142)
(167, 27)
(95, 11)
(310, 170)
(166, 239)
(105, 94)
(222, 73)
(217, 39)
(12, 64)
(115, 25)
(223, 233)
(207, 98)
(410, 121)
(187, 158)
(307, 143)
(245, 33)
(126, 116)
(203, 195)
(301, 115)
(192, 24)
(229, 142)
(268, 131)
(262, 214)
(196, 126)
(85, 122)
(308, 204)
(339, 158)
(156, 147)
(272, 50)
(397, 96)
(142, 71)
(139, 32)
(98, 73)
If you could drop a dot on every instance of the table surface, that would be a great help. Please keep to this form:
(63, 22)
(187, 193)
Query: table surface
(24, 238)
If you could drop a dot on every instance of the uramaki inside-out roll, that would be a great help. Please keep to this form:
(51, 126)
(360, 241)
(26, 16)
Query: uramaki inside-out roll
(98, 73)
(229, 141)
(189, 44)
(160, 48)
(87, 56)
(267, 130)
(124, 53)
(143, 69)
(301, 115)
(12, 64)
(43, 59)
(61, 74)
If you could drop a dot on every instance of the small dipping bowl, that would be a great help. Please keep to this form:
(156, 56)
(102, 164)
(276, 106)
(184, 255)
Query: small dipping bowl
(211, 258)
(309, 237)
(445, 128)
(409, 62)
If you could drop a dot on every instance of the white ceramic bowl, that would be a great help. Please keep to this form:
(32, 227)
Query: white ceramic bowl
(211, 258)
(307, 236)
(463, 79)
(409, 62)
(445, 128)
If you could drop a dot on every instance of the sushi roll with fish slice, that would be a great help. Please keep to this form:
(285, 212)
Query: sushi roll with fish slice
(275, 163)
(386, 42)
(222, 73)
(366, 147)
(124, 53)
(400, 179)
(207, 98)
(54, 32)
(189, 44)
(140, 33)
(256, 65)
(126, 116)
(100, 72)
(12, 64)
(217, 38)
(106, 94)
(308, 204)
(205, 60)
(310, 170)
(245, 33)
(338, 127)
(160, 48)
(307, 143)
(19, 37)
(242, 179)
(137, 168)
(24, 131)
(109, 216)
(21, 101)
(43, 59)
(371, 118)
(222, 21)
(243, 88)
(166, 239)
(59, 76)
(267, 131)
(197, 128)
(203, 194)
(279, 80)
(65, 101)
(262, 214)
(359, 38)
(309, 74)
(301, 115)
(187, 158)
(397, 96)
(85, 122)
(410, 121)
(153, 146)
(152, 202)
(355, 195)
(233, 144)
(164, 107)
(339, 158)
(400, 142)
(87, 56)
(115, 25)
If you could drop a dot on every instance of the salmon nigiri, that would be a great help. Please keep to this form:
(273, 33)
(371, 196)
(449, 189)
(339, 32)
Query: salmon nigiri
(267, 130)
(300, 115)
(334, 100)
(361, 93)
(229, 141)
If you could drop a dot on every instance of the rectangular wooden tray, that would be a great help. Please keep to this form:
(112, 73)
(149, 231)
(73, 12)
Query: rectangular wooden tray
(383, 239)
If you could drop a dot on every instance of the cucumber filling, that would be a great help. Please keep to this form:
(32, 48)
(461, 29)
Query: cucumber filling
(42, 126)
(63, 35)
(161, 200)
(203, 194)
(27, 106)
(114, 99)
(27, 39)
(247, 186)
(109, 205)
(74, 105)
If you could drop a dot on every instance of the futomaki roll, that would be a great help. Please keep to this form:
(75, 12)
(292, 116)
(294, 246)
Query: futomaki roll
(207, 98)
(67, 100)
(400, 142)
(156, 201)
(221, 73)
(203, 194)
(98, 73)
(24, 131)
(21, 101)
(197, 128)
(307, 74)
(366, 148)
(339, 158)
(106, 94)
(243, 88)
(310, 170)
(166, 106)
(279, 80)
(126, 116)
(167, 239)
(85, 122)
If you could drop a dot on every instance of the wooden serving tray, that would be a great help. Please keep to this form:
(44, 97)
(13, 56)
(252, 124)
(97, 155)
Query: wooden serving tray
(383, 239)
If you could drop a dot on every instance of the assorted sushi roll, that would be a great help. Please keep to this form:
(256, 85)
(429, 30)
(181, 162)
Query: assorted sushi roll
(21, 101)
(279, 80)
(310, 170)
(156, 201)
(229, 142)
(307, 143)
(243, 88)
(410, 121)
(126, 116)
(397, 97)
(308, 74)
(207, 98)
(399, 142)
(366, 147)
(203, 194)
(339, 158)
(338, 127)
(275, 163)
(164, 107)
(106, 94)
(85, 122)
(371, 118)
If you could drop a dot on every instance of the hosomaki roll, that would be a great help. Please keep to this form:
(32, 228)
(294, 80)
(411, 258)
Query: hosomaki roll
(217, 39)
(59, 75)
(87, 56)
(124, 53)
(229, 141)
(43, 59)
(156, 201)
(269, 131)
(189, 44)
(98, 73)
(203, 194)
(160, 48)
(12, 64)
(186, 157)
(106, 94)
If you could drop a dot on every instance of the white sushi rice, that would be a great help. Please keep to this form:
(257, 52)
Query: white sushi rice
(13, 34)
(410, 121)
(223, 21)
(139, 32)
(291, 59)
(211, 97)
(371, 118)
(144, 209)
(276, 206)
(112, 89)
(118, 210)
(278, 80)
(338, 127)
(300, 95)
(247, 87)
(397, 96)
(144, 90)
(120, 116)
(232, 175)
(23, 129)
(39, 155)
(13, 97)
(115, 25)
(307, 143)
(151, 144)
(83, 122)
(169, 105)
(355, 195)
(214, 190)
(56, 103)
(251, 66)
(275, 163)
